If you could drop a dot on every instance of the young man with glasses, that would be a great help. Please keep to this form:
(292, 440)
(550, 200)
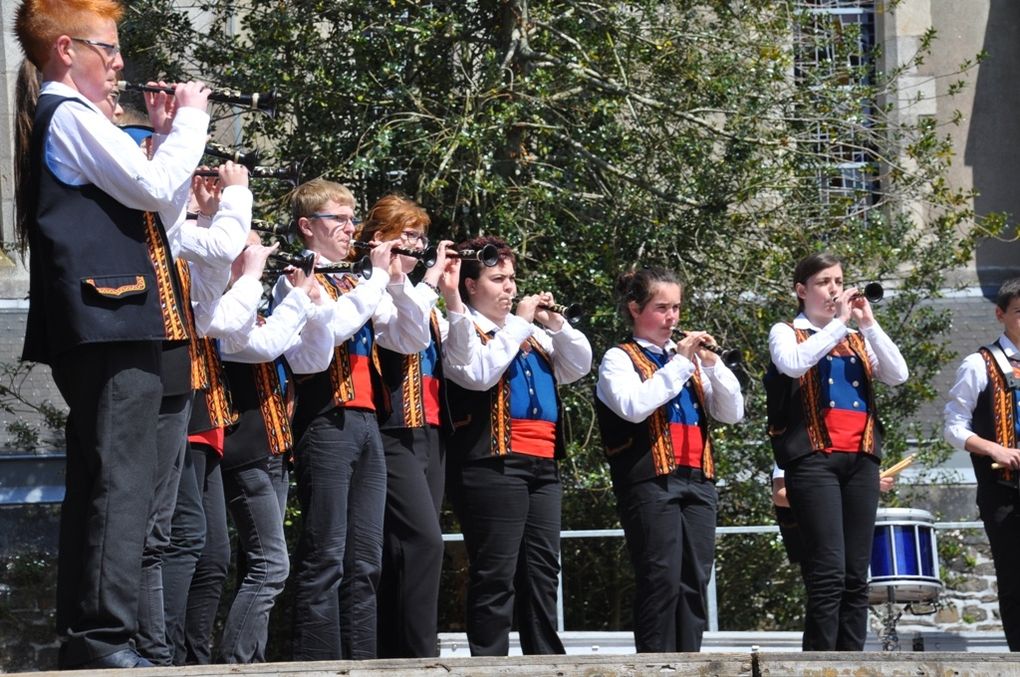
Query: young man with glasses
(339, 464)
(96, 308)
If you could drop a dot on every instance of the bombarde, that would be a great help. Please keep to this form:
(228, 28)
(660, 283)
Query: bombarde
(488, 255)
(276, 229)
(306, 264)
(362, 267)
(261, 101)
(249, 159)
(572, 312)
(290, 173)
(427, 256)
(732, 357)
(873, 291)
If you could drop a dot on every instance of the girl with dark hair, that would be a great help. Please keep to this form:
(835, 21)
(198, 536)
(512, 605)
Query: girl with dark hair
(503, 370)
(653, 400)
(827, 438)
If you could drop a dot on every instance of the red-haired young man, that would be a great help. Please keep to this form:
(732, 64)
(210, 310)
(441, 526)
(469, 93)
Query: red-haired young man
(96, 307)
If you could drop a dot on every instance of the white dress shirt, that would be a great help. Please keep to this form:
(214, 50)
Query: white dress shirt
(621, 389)
(229, 312)
(84, 147)
(795, 359)
(472, 365)
(971, 380)
(214, 243)
(399, 322)
(233, 319)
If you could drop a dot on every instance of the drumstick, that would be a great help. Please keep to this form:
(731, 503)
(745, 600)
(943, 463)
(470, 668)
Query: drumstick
(897, 468)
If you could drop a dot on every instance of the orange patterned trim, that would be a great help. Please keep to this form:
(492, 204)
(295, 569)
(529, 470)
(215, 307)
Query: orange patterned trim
(139, 285)
(658, 422)
(340, 374)
(860, 349)
(217, 395)
(1003, 407)
(499, 408)
(811, 397)
(707, 459)
(173, 319)
(413, 401)
(199, 367)
(273, 409)
(411, 387)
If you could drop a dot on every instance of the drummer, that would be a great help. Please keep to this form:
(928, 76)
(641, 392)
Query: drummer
(981, 417)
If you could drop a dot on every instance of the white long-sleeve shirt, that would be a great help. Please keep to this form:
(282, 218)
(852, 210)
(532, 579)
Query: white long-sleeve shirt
(477, 366)
(219, 239)
(621, 389)
(84, 147)
(243, 337)
(795, 359)
(399, 322)
(971, 380)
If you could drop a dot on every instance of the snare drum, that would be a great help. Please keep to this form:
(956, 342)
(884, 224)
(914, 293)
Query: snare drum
(904, 558)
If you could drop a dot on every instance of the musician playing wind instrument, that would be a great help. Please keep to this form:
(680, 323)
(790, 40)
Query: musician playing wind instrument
(653, 400)
(827, 438)
(412, 418)
(96, 308)
(503, 370)
(339, 462)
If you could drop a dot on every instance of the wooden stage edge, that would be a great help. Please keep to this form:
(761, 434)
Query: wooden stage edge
(762, 664)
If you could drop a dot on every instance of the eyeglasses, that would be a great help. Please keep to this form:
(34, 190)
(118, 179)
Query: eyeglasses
(342, 219)
(413, 236)
(111, 51)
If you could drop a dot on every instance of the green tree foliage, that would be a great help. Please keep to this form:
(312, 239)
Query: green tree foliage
(703, 135)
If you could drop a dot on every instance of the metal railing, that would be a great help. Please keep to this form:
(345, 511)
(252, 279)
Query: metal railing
(28, 479)
(713, 606)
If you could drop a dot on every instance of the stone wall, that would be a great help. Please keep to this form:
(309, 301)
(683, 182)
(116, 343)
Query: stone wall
(28, 585)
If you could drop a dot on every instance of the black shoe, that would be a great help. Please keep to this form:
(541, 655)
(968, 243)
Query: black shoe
(125, 658)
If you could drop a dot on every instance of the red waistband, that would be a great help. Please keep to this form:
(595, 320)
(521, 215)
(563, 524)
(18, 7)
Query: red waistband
(688, 445)
(213, 438)
(533, 438)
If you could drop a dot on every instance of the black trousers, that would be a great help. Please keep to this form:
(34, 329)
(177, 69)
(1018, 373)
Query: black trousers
(211, 568)
(999, 507)
(412, 543)
(187, 540)
(509, 510)
(834, 498)
(113, 391)
(172, 447)
(669, 522)
(341, 486)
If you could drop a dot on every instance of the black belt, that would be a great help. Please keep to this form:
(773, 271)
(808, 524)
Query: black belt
(694, 474)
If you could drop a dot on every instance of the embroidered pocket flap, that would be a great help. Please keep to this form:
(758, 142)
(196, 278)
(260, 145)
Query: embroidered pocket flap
(116, 286)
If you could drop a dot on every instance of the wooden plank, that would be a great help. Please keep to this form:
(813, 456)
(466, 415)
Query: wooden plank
(674, 665)
(899, 664)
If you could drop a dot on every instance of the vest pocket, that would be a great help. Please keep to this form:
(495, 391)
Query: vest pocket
(116, 286)
(616, 450)
(463, 422)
